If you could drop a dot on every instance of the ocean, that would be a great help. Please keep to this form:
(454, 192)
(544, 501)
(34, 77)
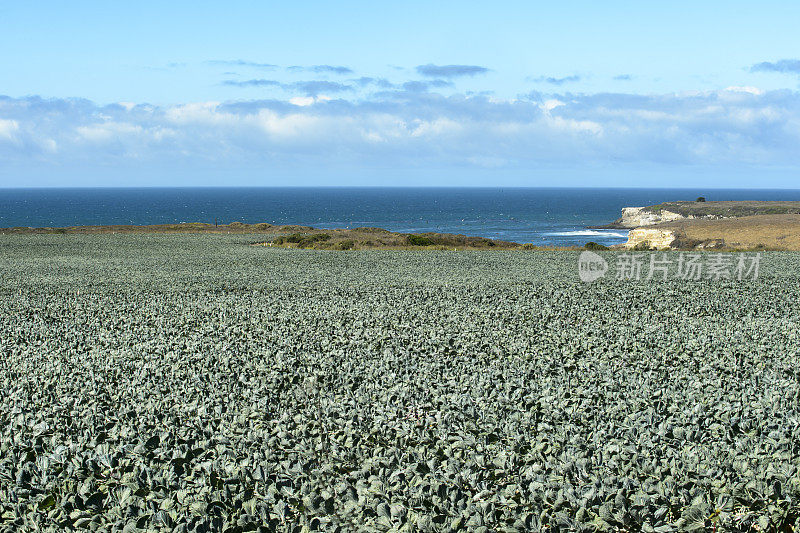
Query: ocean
(542, 216)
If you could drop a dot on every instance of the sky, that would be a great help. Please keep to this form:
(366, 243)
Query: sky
(405, 93)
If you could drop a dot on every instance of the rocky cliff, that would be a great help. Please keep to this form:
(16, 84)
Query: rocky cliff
(747, 224)
(650, 238)
(634, 217)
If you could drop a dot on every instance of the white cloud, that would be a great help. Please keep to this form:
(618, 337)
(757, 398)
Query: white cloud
(194, 113)
(747, 89)
(734, 126)
(108, 131)
(302, 101)
(8, 129)
(436, 128)
(551, 104)
(299, 126)
(576, 126)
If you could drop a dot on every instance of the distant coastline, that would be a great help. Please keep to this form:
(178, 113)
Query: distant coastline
(542, 216)
(724, 225)
(721, 225)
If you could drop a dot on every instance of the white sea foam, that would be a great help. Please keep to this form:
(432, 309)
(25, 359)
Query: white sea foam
(588, 233)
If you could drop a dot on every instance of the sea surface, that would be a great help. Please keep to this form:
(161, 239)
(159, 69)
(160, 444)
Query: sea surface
(543, 216)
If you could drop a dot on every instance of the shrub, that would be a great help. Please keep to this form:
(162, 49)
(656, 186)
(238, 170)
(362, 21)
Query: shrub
(303, 241)
(419, 240)
(643, 246)
(591, 245)
(684, 243)
(348, 244)
(701, 199)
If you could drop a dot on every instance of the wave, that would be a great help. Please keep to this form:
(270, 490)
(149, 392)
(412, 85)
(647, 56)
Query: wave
(587, 233)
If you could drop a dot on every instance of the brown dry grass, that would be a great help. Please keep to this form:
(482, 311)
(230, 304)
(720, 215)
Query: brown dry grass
(773, 232)
(729, 208)
(338, 239)
(191, 227)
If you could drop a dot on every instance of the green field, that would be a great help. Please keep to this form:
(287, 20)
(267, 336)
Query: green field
(195, 383)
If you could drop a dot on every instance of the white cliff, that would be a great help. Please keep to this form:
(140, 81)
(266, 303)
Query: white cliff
(650, 238)
(634, 217)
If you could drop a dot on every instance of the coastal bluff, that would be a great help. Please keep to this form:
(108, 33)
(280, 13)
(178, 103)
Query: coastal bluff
(634, 217)
(773, 225)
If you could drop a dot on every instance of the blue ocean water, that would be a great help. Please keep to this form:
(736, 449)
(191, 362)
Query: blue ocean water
(556, 216)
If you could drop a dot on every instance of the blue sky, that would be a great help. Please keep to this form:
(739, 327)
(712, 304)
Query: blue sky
(360, 93)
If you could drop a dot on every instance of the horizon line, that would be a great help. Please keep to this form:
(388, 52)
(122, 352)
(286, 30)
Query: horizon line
(494, 187)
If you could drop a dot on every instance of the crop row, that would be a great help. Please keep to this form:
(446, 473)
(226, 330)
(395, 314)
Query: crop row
(195, 383)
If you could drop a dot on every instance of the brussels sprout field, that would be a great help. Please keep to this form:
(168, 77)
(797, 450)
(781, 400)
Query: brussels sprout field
(196, 383)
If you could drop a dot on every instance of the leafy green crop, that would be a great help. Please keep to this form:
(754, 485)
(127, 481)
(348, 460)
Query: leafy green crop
(196, 383)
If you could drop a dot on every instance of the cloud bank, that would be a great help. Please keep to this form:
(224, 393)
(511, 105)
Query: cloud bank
(322, 69)
(252, 83)
(450, 71)
(408, 128)
(308, 88)
(241, 63)
(785, 66)
(318, 87)
(423, 86)
(557, 81)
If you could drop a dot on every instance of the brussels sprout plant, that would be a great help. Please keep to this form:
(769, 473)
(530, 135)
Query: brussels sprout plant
(196, 383)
